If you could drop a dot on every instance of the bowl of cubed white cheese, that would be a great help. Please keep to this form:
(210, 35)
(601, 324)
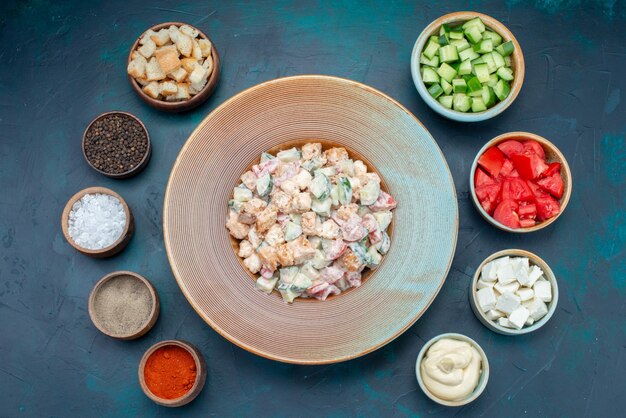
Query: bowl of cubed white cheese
(514, 292)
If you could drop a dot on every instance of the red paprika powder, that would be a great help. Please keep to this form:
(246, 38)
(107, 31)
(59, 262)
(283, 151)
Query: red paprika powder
(170, 372)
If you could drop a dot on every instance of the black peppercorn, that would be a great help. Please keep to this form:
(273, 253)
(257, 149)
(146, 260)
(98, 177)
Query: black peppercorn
(115, 143)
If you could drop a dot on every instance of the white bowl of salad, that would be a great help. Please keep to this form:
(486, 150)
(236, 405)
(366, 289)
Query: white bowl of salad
(467, 66)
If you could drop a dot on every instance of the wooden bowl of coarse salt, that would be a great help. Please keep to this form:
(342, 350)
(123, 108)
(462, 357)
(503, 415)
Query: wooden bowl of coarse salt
(97, 222)
(124, 305)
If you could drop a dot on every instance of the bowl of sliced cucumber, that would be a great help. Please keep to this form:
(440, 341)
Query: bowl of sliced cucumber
(467, 66)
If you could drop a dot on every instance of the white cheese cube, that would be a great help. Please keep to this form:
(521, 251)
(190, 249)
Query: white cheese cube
(508, 302)
(518, 317)
(489, 272)
(502, 261)
(537, 308)
(506, 274)
(480, 284)
(543, 290)
(511, 287)
(525, 294)
(493, 315)
(504, 322)
(520, 263)
(533, 275)
(486, 299)
(529, 321)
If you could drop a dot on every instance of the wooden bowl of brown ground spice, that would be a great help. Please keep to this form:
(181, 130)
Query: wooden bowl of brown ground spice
(124, 305)
(172, 373)
(117, 144)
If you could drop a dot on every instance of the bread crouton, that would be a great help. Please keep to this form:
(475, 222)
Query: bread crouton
(179, 75)
(147, 49)
(196, 52)
(205, 47)
(152, 90)
(167, 88)
(154, 72)
(208, 64)
(197, 75)
(161, 37)
(189, 64)
(137, 67)
(189, 31)
(142, 80)
(146, 36)
(184, 44)
(168, 59)
(174, 32)
(182, 93)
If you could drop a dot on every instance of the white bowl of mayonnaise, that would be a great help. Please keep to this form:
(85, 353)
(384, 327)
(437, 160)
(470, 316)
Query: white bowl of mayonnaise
(452, 369)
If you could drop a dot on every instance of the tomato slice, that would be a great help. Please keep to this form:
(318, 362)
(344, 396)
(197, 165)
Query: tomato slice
(511, 147)
(516, 189)
(552, 184)
(481, 178)
(529, 166)
(547, 207)
(527, 211)
(526, 223)
(506, 214)
(554, 167)
(489, 196)
(492, 161)
(537, 191)
(534, 147)
(507, 168)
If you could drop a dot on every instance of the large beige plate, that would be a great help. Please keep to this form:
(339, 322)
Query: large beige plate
(341, 112)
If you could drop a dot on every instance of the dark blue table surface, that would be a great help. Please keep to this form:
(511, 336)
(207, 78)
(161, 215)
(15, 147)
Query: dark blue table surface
(64, 62)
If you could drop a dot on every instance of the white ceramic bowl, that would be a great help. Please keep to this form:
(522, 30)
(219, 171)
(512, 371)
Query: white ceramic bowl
(517, 62)
(548, 274)
(482, 381)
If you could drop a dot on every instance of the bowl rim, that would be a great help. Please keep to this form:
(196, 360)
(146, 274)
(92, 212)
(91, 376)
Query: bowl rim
(144, 160)
(494, 25)
(549, 275)
(112, 249)
(152, 318)
(198, 385)
(566, 174)
(195, 100)
(482, 382)
(168, 250)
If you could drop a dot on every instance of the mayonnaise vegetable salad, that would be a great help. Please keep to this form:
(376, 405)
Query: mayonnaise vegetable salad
(451, 369)
(310, 221)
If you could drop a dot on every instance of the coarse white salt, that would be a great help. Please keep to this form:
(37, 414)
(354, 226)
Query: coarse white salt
(96, 221)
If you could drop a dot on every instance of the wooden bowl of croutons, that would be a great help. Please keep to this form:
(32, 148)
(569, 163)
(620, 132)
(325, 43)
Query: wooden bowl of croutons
(173, 66)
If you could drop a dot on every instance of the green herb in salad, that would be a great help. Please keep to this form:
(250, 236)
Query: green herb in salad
(467, 67)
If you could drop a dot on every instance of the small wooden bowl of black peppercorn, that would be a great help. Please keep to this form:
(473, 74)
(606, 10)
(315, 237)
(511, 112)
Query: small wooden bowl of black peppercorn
(117, 145)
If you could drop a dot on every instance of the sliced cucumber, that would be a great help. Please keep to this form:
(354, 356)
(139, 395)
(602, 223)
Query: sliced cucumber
(383, 219)
(320, 186)
(456, 34)
(447, 87)
(264, 185)
(506, 48)
(474, 85)
(345, 190)
(475, 22)
(482, 73)
(446, 72)
(369, 193)
(429, 75)
(488, 96)
(505, 73)
(465, 67)
(502, 90)
(478, 105)
(432, 47)
(491, 64)
(434, 62)
(321, 207)
(498, 59)
(461, 44)
(446, 101)
(495, 38)
(461, 102)
(493, 80)
(443, 40)
(266, 285)
(289, 156)
(242, 194)
(459, 85)
(448, 53)
(468, 54)
(473, 34)
(484, 46)
(266, 157)
(292, 231)
(435, 90)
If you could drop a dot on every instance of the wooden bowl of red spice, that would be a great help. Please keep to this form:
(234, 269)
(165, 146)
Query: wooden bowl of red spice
(172, 373)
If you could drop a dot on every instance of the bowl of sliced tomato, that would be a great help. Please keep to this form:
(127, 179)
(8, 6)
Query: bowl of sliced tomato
(520, 182)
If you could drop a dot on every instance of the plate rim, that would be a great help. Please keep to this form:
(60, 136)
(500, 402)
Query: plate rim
(252, 349)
